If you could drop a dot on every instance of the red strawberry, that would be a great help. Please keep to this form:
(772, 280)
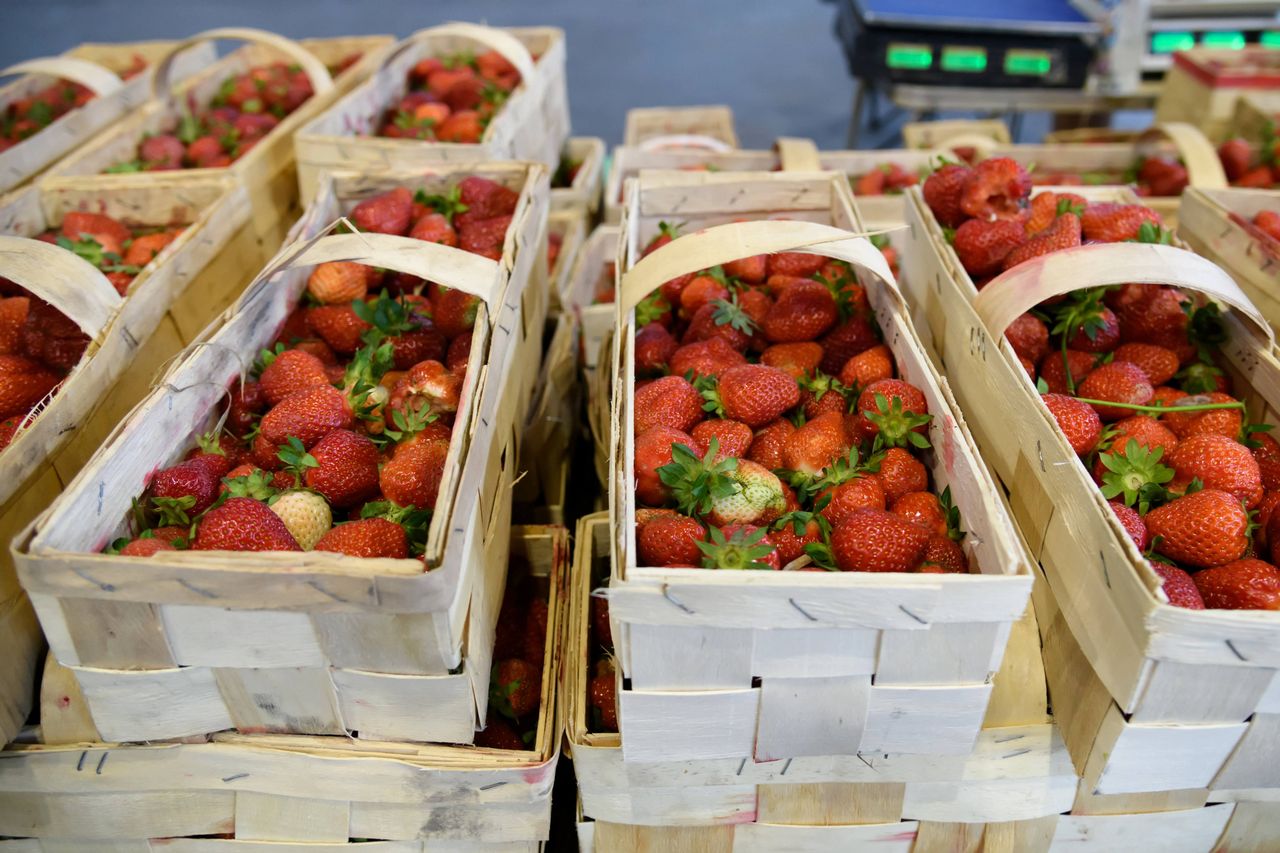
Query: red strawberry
(740, 547)
(867, 368)
(653, 347)
(23, 384)
(983, 245)
(1117, 382)
(308, 415)
(13, 316)
(1145, 430)
(347, 468)
(670, 540)
(733, 439)
(338, 326)
(243, 524)
(366, 537)
(846, 340)
(670, 401)
(1248, 584)
(803, 312)
(801, 264)
(769, 442)
(942, 192)
(8, 429)
(799, 359)
(79, 224)
(387, 213)
(485, 236)
(1054, 372)
(455, 312)
(1029, 336)
(1132, 524)
(1064, 233)
(247, 403)
(995, 188)
(901, 473)
(943, 555)
(879, 402)
(877, 541)
(602, 693)
(812, 447)
(1259, 177)
(519, 683)
(1109, 222)
(1268, 221)
(1179, 586)
(1204, 529)
(412, 476)
(289, 371)
(850, 496)
(423, 343)
(752, 270)
(700, 290)
(1077, 420)
(338, 282)
(161, 152)
(756, 393)
(790, 535)
(464, 126)
(1267, 455)
(499, 733)
(924, 509)
(1219, 463)
(872, 183)
(1162, 176)
(484, 199)
(600, 622)
(652, 451)
(1224, 422)
(145, 547)
(429, 384)
(1235, 155)
(711, 357)
(1159, 363)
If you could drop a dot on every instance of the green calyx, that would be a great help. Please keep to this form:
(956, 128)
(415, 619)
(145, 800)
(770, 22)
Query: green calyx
(709, 388)
(174, 512)
(652, 309)
(729, 313)
(1136, 476)
(92, 251)
(896, 425)
(257, 485)
(1081, 312)
(740, 550)
(1066, 205)
(952, 513)
(450, 203)
(408, 423)
(696, 484)
(819, 384)
(416, 522)
(1150, 232)
(388, 317)
(211, 442)
(296, 460)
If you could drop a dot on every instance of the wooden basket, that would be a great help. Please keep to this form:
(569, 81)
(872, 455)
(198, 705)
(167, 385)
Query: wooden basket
(1184, 141)
(583, 195)
(266, 172)
(1202, 86)
(96, 66)
(1193, 684)
(654, 128)
(571, 228)
(580, 293)
(298, 792)
(131, 340)
(349, 644)
(533, 124)
(908, 631)
(1253, 119)
(951, 133)
(1218, 225)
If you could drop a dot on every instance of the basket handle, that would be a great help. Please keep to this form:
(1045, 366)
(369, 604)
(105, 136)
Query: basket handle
(724, 243)
(63, 279)
(1204, 169)
(321, 82)
(798, 155)
(984, 146)
(685, 140)
(510, 47)
(91, 75)
(453, 268)
(1016, 291)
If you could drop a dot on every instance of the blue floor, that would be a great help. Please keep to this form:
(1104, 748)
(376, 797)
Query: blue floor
(776, 63)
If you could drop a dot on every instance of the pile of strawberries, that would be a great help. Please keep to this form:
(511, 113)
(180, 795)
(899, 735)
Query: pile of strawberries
(452, 98)
(602, 685)
(515, 683)
(1149, 176)
(1246, 167)
(350, 414)
(246, 108)
(25, 117)
(885, 179)
(38, 344)
(1133, 377)
(770, 431)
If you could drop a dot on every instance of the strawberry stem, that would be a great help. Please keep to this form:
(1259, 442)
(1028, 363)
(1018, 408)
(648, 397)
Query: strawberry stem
(1163, 410)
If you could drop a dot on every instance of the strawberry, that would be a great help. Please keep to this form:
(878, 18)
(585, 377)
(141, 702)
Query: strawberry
(755, 393)
(144, 248)
(1159, 363)
(653, 348)
(846, 496)
(161, 152)
(1029, 336)
(667, 232)
(652, 451)
(1162, 176)
(1268, 221)
(670, 540)
(812, 447)
(243, 524)
(183, 491)
(305, 514)
(855, 335)
(147, 546)
(485, 236)
(23, 384)
(1203, 529)
(8, 430)
(867, 368)
(387, 213)
(1053, 369)
(803, 312)
(753, 495)
(1077, 420)
(752, 270)
(1145, 430)
(1110, 222)
(309, 415)
(711, 357)
(1224, 422)
(739, 546)
(943, 555)
(983, 245)
(602, 693)
(338, 326)
(1266, 452)
(723, 319)
(1178, 586)
(434, 228)
(13, 316)
(346, 471)
(290, 371)
(484, 199)
(801, 264)
(702, 289)
(872, 183)
(670, 401)
(600, 622)
(516, 687)
(877, 541)
(996, 189)
(942, 191)
(769, 442)
(499, 733)
(1064, 233)
(1044, 210)
(1248, 584)
(427, 384)
(1132, 523)
(733, 439)
(1117, 382)
(799, 359)
(1259, 177)
(455, 312)
(338, 282)
(246, 404)
(924, 509)
(901, 473)
(1219, 463)
(895, 409)
(1235, 155)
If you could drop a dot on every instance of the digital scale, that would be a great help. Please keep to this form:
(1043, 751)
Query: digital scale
(1174, 25)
